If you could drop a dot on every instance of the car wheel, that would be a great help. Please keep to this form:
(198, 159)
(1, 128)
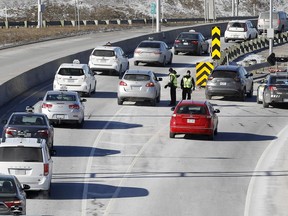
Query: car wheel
(172, 135)
(164, 61)
(243, 95)
(265, 105)
(153, 102)
(158, 98)
(80, 124)
(136, 63)
(120, 102)
(257, 99)
(250, 93)
(175, 52)
(216, 131)
(170, 61)
(94, 89)
(88, 94)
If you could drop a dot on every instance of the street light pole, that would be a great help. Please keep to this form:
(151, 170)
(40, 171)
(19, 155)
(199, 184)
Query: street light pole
(158, 5)
(39, 14)
(271, 29)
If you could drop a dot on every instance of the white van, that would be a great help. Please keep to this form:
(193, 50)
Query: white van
(29, 160)
(279, 18)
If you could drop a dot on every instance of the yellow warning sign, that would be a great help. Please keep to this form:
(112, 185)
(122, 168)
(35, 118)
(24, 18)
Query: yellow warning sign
(203, 70)
(216, 33)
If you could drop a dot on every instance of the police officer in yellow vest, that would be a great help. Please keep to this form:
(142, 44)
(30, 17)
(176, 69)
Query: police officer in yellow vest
(173, 85)
(187, 84)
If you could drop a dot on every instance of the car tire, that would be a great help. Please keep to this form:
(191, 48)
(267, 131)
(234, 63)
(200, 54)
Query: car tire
(153, 102)
(176, 52)
(136, 63)
(158, 99)
(216, 131)
(250, 93)
(170, 61)
(94, 89)
(80, 124)
(243, 96)
(257, 99)
(265, 104)
(119, 101)
(226, 40)
(172, 135)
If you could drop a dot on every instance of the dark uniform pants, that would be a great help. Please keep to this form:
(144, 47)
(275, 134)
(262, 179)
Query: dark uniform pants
(186, 93)
(173, 95)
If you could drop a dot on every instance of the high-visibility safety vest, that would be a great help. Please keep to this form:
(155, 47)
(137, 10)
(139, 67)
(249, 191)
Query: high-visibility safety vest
(187, 82)
(173, 79)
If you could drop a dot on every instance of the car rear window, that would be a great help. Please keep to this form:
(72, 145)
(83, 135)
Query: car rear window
(236, 25)
(267, 15)
(7, 186)
(21, 154)
(137, 77)
(104, 53)
(188, 36)
(224, 74)
(200, 110)
(71, 72)
(27, 120)
(60, 97)
(279, 80)
(149, 45)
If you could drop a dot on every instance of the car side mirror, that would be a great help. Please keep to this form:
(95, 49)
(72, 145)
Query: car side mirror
(83, 100)
(216, 111)
(172, 108)
(159, 79)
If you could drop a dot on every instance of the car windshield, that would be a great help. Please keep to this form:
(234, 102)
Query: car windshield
(20, 154)
(149, 45)
(188, 36)
(279, 80)
(60, 97)
(224, 74)
(71, 72)
(27, 120)
(236, 25)
(137, 77)
(104, 53)
(189, 109)
(7, 186)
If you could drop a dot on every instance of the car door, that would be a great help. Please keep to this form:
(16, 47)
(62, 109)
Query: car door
(247, 78)
(92, 78)
(167, 51)
(124, 60)
(203, 42)
(156, 82)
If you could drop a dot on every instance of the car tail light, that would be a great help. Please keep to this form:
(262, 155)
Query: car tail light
(10, 132)
(194, 42)
(74, 106)
(150, 84)
(9, 204)
(137, 51)
(46, 105)
(43, 133)
(46, 169)
(122, 83)
(272, 88)
(177, 41)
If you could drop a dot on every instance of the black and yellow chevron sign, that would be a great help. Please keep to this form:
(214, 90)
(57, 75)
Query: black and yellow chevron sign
(203, 70)
(216, 43)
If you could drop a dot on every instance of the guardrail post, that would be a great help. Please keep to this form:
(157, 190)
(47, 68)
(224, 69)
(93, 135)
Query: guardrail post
(130, 22)
(6, 24)
(85, 22)
(62, 23)
(96, 22)
(26, 24)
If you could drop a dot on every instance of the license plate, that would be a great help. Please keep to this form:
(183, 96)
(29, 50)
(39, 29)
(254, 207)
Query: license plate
(20, 172)
(24, 134)
(185, 43)
(222, 83)
(60, 116)
(191, 121)
(70, 80)
(103, 61)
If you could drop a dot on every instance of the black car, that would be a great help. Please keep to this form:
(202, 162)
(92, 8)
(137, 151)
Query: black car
(12, 196)
(274, 91)
(230, 81)
(29, 124)
(191, 42)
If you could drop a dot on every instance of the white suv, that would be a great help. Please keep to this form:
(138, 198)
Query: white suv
(240, 30)
(29, 160)
(75, 77)
(109, 59)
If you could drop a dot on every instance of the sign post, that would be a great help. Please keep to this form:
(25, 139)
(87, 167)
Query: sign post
(153, 12)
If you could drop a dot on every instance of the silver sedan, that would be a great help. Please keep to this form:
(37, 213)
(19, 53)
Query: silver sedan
(63, 107)
(150, 51)
(139, 85)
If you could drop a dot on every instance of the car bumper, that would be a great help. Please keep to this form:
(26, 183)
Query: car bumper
(223, 92)
(76, 88)
(148, 58)
(180, 48)
(97, 67)
(36, 184)
(189, 130)
(64, 117)
(137, 96)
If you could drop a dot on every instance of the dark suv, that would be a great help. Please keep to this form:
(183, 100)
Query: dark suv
(229, 80)
(191, 42)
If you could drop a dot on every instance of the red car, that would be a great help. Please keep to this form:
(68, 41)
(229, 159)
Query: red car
(194, 117)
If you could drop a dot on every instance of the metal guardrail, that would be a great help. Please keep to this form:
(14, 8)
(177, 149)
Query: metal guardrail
(235, 51)
(63, 23)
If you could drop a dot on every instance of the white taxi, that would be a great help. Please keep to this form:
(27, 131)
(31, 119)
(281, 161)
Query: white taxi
(75, 77)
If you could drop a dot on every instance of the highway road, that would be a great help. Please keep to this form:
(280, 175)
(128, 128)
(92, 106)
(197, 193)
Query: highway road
(122, 162)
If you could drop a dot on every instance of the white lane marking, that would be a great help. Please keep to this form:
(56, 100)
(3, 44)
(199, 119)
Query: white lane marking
(89, 163)
(275, 145)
